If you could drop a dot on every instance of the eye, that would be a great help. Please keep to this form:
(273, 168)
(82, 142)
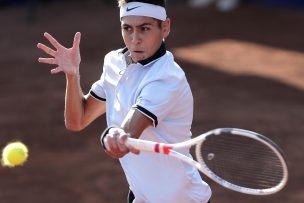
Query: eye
(145, 28)
(126, 28)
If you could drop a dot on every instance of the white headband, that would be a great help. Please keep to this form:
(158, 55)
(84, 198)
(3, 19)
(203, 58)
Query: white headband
(143, 9)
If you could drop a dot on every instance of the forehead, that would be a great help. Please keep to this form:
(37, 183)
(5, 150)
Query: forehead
(137, 20)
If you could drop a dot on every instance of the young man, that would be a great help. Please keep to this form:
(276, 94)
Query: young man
(145, 95)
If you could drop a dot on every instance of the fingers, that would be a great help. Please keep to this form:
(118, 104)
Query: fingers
(46, 49)
(114, 144)
(47, 60)
(50, 61)
(132, 149)
(52, 40)
(121, 144)
(77, 38)
(56, 70)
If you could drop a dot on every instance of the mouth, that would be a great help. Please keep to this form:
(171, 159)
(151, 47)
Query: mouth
(137, 55)
(138, 52)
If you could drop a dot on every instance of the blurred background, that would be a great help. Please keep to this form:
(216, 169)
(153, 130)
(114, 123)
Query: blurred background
(243, 59)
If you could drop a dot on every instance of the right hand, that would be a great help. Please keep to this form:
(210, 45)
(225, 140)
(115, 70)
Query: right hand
(115, 143)
(66, 59)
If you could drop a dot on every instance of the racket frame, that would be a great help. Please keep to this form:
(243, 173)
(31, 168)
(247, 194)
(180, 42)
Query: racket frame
(253, 135)
(169, 149)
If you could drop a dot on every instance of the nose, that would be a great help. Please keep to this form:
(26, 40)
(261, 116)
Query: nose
(136, 37)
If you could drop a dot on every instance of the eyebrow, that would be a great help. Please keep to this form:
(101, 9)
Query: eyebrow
(141, 25)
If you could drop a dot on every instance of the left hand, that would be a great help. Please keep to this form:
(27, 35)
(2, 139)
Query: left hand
(66, 59)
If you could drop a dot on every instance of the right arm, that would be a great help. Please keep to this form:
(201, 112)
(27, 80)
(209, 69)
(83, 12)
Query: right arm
(80, 109)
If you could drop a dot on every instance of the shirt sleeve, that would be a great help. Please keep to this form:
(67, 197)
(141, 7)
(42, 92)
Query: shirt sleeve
(157, 99)
(97, 89)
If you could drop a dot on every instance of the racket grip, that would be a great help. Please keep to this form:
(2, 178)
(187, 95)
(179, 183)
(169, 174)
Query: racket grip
(149, 146)
(142, 145)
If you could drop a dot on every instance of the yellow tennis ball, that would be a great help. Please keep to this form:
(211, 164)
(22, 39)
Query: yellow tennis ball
(14, 154)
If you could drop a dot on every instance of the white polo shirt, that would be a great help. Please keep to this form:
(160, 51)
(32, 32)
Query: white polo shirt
(159, 89)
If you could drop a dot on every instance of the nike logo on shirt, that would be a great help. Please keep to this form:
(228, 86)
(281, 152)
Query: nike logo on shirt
(130, 9)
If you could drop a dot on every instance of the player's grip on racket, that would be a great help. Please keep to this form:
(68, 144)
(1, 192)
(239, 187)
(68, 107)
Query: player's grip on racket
(240, 160)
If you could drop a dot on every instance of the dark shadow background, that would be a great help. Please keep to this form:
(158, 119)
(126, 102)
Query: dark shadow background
(67, 166)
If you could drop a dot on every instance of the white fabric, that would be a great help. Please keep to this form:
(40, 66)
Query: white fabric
(143, 9)
(161, 88)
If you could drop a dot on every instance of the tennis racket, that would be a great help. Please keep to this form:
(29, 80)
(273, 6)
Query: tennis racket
(240, 160)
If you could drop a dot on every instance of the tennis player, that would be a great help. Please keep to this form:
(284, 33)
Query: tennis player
(145, 95)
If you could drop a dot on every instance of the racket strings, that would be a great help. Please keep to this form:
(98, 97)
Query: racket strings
(242, 161)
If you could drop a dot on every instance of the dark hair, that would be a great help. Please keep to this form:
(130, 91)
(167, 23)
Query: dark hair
(155, 2)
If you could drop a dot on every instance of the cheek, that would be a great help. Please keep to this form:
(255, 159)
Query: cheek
(155, 40)
(125, 38)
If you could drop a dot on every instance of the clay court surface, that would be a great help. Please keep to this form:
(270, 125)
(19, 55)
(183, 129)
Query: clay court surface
(246, 70)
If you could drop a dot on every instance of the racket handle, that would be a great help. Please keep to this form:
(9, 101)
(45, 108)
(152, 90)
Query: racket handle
(142, 145)
(149, 146)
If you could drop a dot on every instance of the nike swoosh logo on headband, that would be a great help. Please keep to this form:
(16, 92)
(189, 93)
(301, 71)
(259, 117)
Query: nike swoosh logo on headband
(130, 9)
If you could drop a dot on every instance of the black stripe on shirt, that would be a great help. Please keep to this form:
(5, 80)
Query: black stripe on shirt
(147, 113)
(159, 53)
(96, 96)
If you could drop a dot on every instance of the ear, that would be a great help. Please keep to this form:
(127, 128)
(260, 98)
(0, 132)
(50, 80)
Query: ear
(166, 28)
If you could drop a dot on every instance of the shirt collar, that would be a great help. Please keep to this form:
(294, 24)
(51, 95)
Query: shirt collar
(159, 53)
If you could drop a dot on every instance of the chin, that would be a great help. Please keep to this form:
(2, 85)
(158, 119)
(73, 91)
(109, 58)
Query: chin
(138, 58)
